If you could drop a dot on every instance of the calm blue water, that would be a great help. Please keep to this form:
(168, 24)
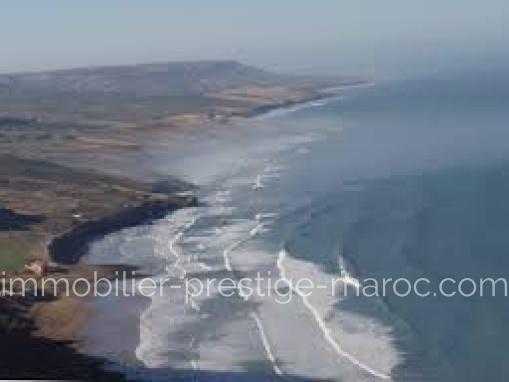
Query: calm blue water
(417, 186)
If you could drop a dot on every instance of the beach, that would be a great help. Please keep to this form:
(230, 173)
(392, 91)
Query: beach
(213, 336)
(77, 206)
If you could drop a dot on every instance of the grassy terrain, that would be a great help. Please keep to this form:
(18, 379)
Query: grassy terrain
(42, 200)
(13, 253)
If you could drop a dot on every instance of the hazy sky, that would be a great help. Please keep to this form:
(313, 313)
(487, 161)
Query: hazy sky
(399, 37)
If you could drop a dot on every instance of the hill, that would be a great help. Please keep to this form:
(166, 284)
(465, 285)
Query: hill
(144, 80)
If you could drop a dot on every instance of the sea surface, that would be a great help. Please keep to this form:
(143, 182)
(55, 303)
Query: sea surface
(400, 179)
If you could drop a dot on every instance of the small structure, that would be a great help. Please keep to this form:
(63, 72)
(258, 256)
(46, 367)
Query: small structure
(37, 267)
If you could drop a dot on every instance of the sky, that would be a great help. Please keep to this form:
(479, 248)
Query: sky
(385, 38)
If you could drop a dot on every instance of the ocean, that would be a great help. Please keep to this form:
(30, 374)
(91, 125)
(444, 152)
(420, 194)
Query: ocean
(402, 179)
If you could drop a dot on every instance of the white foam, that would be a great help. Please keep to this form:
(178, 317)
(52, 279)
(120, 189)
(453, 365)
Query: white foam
(267, 215)
(266, 344)
(227, 263)
(303, 151)
(321, 323)
(154, 333)
(228, 266)
(205, 266)
(258, 185)
(257, 229)
(292, 109)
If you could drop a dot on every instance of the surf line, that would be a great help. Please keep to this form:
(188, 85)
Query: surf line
(182, 272)
(178, 237)
(253, 232)
(176, 265)
(266, 344)
(321, 324)
(194, 362)
(254, 316)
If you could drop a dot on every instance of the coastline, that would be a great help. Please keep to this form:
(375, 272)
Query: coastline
(35, 323)
(66, 250)
(322, 94)
(101, 321)
(69, 247)
(265, 109)
(50, 324)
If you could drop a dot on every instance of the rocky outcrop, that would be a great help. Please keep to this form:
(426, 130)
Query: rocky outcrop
(69, 247)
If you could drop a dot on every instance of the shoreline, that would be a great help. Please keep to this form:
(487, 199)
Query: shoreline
(32, 323)
(67, 248)
(50, 325)
(321, 95)
(120, 345)
(76, 240)
(266, 109)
